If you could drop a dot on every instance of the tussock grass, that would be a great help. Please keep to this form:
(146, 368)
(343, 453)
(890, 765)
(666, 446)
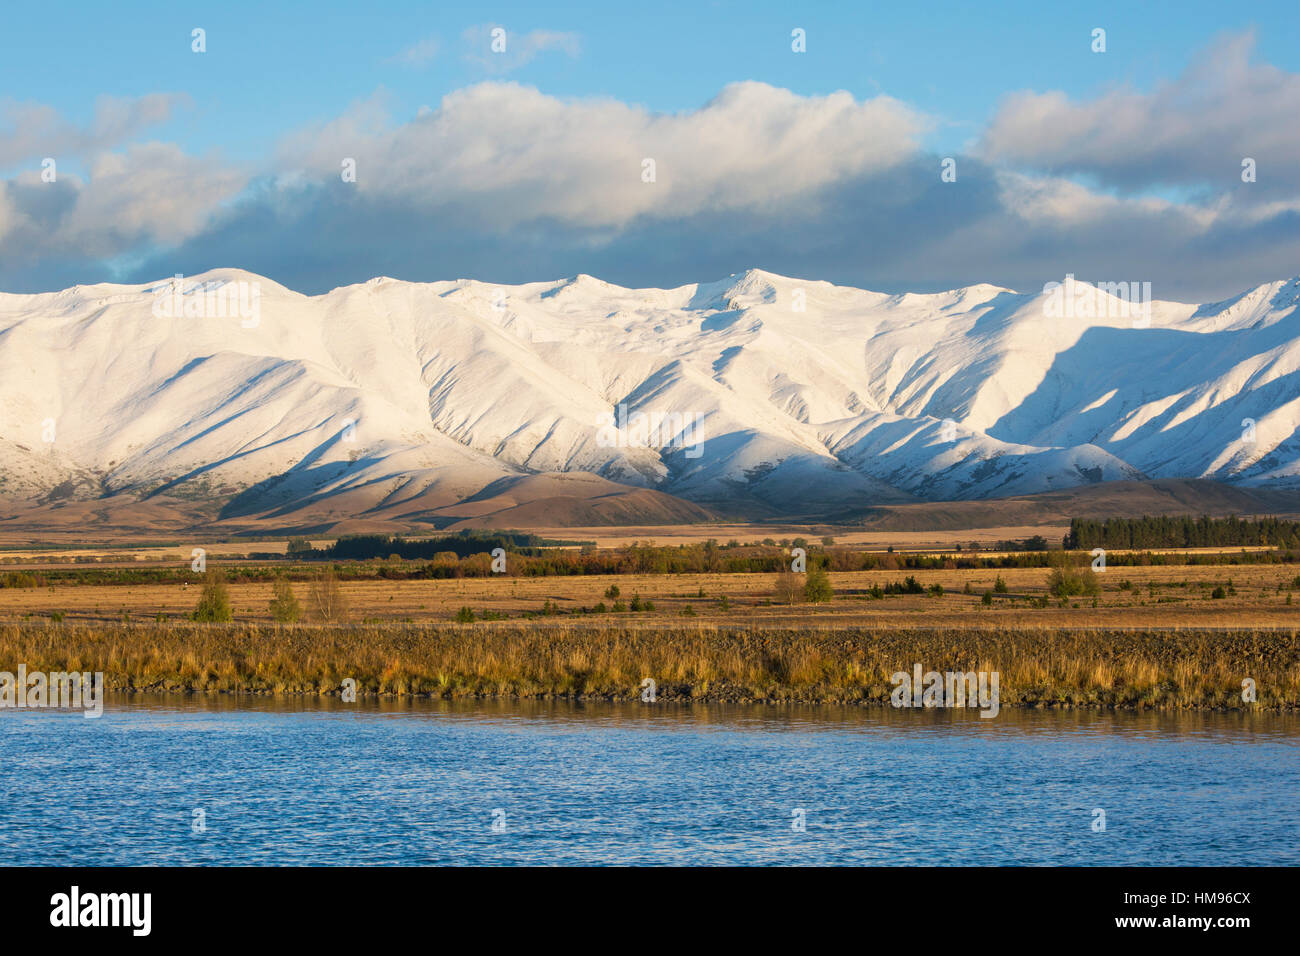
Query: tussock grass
(1198, 669)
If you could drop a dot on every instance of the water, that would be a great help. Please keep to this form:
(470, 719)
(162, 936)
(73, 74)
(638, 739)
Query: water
(321, 782)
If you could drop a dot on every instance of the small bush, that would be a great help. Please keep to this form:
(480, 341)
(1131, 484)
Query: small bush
(465, 616)
(910, 586)
(214, 602)
(1068, 580)
(817, 587)
(284, 605)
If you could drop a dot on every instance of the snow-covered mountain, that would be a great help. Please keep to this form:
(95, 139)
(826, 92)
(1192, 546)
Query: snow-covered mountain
(785, 394)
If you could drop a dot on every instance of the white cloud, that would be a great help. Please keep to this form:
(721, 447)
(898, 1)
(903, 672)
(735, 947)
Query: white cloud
(1192, 131)
(148, 194)
(152, 192)
(503, 182)
(33, 131)
(517, 155)
(520, 48)
(420, 53)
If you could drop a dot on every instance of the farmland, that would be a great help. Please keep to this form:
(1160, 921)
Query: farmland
(1172, 629)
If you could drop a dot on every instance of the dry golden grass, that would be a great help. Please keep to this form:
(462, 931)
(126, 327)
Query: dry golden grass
(1181, 599)
(1094, 667)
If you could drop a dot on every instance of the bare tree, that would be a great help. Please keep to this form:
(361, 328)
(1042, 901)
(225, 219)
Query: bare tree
(789, 588)
(326, 602)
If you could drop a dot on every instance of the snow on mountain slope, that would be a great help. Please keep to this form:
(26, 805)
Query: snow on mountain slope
(757, 390)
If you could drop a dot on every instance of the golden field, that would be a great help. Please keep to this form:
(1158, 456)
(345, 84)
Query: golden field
(1180, 599)
(1153, 637)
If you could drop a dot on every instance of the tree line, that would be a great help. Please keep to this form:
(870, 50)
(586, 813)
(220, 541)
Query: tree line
(1181, 532)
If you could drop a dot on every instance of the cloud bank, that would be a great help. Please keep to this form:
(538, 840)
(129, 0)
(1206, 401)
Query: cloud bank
(503, 182)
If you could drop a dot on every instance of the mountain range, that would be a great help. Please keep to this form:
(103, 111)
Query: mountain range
(580, 402)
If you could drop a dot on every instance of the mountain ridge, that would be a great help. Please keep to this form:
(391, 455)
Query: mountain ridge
(800, 396)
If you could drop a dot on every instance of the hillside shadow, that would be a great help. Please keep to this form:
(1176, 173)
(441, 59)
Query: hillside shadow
(1136, 366)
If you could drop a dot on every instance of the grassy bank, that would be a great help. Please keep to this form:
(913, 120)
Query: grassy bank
(1037, 667)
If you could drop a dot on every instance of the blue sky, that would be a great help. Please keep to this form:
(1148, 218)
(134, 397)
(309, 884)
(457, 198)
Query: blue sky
(243, 122)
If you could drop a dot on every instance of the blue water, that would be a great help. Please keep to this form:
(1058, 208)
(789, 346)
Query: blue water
(308, 782)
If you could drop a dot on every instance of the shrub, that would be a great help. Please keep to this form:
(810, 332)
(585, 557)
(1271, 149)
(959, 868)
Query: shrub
(1067, 580)
(1000, 586)
(465, 616)
(987, 598)
(214, 602)
(817, 587)
(1218, 593)
(910, 586)
(612, 591)
(284, 606)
